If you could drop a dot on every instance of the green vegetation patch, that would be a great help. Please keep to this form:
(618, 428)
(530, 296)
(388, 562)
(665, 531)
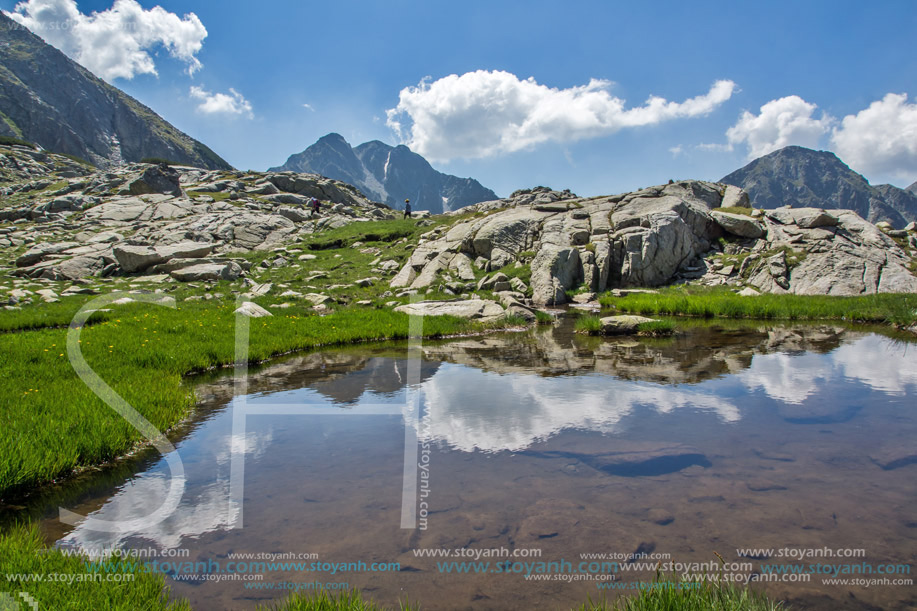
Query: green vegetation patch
(124, 588)
(589, 325)
(159, 161)
(719, 302)
(218, 196)
(656, 328)
(675, 594)
(543, 318)
(736, 210)
(9, 141)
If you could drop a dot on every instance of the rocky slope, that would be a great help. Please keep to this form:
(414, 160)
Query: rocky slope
(48, 99)
(665, 234)
(177, 223)
(800, 177)
(388, 174)
(66, 228)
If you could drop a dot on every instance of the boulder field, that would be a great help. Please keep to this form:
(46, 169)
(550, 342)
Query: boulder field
(63, 221)
(684, 231)
(181, 222)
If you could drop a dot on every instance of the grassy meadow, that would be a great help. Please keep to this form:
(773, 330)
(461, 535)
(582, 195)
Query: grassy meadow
(892, 309)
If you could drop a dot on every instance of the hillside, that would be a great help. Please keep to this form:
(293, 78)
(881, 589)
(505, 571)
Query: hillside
(48, 99)
(800, 177)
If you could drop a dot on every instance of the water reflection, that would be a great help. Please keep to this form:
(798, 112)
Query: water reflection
(717, 434)
(468, 409)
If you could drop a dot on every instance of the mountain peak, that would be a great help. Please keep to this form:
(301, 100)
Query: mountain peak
(388, 174)
(334, 138)
(801, 177)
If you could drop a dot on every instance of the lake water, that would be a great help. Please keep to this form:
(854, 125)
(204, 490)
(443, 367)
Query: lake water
(546, 447)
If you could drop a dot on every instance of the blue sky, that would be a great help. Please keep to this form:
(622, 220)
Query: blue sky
(833, 75)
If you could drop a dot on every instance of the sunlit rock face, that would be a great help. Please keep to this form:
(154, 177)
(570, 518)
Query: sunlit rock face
(665, 234)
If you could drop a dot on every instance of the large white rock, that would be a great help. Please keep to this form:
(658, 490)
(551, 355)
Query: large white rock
(737, 224)
(185, 250)
(208, 271)
(40, 251)
(136, 258)
(474, 309)
(734, 197)
(554, 270)
(625, 323)
(252, 310)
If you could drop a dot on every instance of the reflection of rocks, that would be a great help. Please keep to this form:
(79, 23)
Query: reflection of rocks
(698, 354)
(342, 376)
(510, 391)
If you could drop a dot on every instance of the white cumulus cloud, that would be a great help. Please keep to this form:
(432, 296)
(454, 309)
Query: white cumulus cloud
(881, 139)
(114, 43)
(779, 123)
(486, 113)
(232, 103)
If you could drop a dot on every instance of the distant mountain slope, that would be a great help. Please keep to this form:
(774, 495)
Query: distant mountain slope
(388, 174)
(48, 99)
(801, 177)
(912, 188)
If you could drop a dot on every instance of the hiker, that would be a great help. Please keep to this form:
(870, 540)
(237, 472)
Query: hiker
(316, 206)
(407, 208)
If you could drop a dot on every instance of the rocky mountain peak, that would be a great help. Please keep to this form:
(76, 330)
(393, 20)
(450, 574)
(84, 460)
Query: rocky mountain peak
(800, 177)
(389, 174)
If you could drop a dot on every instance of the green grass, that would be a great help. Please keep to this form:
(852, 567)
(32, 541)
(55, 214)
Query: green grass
(590, 325)
(12, 125)
(323, 601)
(78, 160)
(736, 210)
(373, 233)
(22, 552)
(896, 309)
(543, 318)
(218, 196)
(673, 594)
(159, 160)
(523, 272)
(47, 315)
(656, 328)
(52, 423)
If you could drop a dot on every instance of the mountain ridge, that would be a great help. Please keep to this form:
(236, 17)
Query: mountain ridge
(389, 174)
(48, 99)
(802, 177)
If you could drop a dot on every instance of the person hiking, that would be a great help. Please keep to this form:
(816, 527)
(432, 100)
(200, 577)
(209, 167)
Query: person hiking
(407, 208)
(316, 206)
